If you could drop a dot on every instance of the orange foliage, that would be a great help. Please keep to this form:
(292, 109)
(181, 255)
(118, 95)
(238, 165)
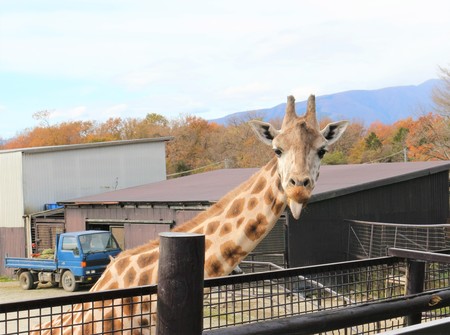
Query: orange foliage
(429, 138)
(199, 143)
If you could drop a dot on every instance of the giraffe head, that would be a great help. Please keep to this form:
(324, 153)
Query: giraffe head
(299, 146)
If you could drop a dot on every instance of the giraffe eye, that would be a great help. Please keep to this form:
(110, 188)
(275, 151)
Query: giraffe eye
(321, 153)
(277, 152)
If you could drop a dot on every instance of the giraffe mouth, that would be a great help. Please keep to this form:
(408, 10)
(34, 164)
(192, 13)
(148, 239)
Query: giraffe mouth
(297, 196)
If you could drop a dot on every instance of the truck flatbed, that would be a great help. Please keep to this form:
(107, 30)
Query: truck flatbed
(31, 263)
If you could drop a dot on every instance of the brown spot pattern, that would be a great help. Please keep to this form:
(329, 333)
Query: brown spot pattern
(127, 306)
(239, 222)
(236, 208)
(269, 197)
(146, 307)
(232, 253)
(208, 244)
(259, 186)
(108, 322)
(112, 286)
(144, 322)
(100, 304)
(129, 277)
(252, 203)
(122, 263)
(213, 267)
(280, 186)
(199, 230)
(256, 228)
(225, 229)
(147, 259)
(118, 324)
(144, 279)
(277, 207)
(106, 277)
(212, 227)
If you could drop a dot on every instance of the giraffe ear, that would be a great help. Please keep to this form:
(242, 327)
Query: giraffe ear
(333, 131)
(265, 131)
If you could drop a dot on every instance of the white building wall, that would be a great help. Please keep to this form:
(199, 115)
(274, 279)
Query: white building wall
(11, 191)
(53, 176)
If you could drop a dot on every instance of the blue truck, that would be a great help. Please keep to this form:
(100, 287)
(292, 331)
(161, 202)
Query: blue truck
(79, 258)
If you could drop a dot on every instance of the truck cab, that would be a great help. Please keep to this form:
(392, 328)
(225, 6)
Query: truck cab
(86, 254)
(79, 258)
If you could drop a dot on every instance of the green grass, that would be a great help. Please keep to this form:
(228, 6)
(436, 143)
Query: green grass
(5, 279)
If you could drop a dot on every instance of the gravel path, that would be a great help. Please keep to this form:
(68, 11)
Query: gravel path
(11, 291)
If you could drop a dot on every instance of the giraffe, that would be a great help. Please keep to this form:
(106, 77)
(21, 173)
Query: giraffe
(233, 226)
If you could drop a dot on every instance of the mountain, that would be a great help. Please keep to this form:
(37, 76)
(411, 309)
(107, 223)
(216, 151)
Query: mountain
(386, 105)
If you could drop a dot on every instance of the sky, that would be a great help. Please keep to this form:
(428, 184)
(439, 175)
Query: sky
(96, 59)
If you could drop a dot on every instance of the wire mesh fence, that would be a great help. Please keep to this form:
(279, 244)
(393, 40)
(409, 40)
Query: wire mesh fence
(237, 300)
(107, 312)
(372, 239)
(279, 294)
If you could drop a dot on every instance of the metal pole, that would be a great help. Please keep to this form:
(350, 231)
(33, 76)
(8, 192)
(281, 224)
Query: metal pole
(180, 284)
(415, 278)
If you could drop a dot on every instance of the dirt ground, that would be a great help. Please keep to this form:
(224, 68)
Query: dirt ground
(11, 292)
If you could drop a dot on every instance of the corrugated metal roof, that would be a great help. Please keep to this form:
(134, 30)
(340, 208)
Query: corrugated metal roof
(34, 150)
(335, 180)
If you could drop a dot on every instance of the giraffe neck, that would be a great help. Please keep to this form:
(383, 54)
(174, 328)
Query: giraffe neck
(235, 225)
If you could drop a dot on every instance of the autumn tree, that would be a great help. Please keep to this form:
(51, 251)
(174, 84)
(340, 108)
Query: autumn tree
(199, 145)
(429, 139)
(243, 149)
(60, 134)
(193, 144)
(43, 117)
(339, 152)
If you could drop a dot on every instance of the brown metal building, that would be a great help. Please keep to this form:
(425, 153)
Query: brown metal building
(394, 192)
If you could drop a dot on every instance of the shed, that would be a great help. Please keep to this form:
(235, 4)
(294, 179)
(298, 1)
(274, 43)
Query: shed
(391, 192)
(33, 179)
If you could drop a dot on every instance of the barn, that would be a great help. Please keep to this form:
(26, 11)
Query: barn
(389, 192)
(32, 180)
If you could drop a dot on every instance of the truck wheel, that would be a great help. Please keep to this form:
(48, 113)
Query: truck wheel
(68, 281)
(27, 281)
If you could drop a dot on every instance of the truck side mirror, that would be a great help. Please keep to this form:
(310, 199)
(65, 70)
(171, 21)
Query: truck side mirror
(76, 252)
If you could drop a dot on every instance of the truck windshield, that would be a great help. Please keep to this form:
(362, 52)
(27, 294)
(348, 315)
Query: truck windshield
(97, 242)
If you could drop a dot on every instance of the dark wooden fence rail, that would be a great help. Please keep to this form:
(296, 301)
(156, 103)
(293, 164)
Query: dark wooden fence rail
(181, 295)
(344, 317)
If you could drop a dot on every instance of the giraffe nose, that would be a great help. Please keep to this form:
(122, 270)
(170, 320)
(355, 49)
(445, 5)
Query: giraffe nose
(305, 182)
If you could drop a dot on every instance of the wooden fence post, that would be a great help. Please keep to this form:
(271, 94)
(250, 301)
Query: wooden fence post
(180, 284)
(415, 279)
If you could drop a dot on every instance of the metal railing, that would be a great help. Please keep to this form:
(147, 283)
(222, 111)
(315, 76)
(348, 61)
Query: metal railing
(247, 299)
(22, 317)
(372, 239)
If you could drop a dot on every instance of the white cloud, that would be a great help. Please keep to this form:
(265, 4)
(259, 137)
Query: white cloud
(138, 79)
(115, 111)
(132, 57)
(75, 113)
(246, 90)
